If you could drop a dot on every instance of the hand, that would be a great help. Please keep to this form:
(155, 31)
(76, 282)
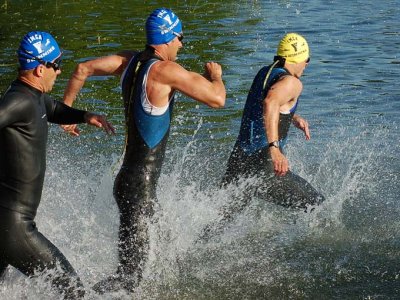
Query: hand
(71, 129)
(280, 162)
(99, 121)
(213, 71)
(302, 124)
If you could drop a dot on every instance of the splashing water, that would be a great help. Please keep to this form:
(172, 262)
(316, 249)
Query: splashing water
(266, 252)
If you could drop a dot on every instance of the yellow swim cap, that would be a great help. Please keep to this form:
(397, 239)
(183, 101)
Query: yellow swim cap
(294, 48)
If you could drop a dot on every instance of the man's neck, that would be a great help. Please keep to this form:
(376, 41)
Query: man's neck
(31, 82)
(159, 50)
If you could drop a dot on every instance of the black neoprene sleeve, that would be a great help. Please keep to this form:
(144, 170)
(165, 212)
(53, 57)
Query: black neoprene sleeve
(60, 113)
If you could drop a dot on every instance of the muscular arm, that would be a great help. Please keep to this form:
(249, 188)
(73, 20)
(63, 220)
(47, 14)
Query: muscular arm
(208, 89)
(280, 96)
(108, 65)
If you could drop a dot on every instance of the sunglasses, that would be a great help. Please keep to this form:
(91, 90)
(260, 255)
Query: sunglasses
(308, 60)
(179, 35)
(56, 65)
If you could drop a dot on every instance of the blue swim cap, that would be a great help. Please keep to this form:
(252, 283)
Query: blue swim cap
(162, 26)
(35, 46)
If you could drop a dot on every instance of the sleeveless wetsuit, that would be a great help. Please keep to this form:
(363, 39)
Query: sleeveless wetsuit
(24, 113)
(136, 182)
(251, 157)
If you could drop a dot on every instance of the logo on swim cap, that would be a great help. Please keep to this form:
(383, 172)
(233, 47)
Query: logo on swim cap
(37, 45)
(294, 48)
(162, 26)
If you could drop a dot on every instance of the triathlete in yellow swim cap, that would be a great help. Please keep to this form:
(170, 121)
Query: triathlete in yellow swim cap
(293, 48)
(258, 152)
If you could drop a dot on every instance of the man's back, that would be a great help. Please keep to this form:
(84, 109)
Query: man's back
(23, 137)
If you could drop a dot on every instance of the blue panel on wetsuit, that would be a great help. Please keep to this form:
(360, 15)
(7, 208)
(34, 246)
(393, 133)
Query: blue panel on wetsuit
(252, 136)
(152, 128)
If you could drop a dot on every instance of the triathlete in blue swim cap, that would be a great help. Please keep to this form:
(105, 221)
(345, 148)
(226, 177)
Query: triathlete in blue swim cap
(37, 48)
(25, 110)
(150, 79)
(162, 26)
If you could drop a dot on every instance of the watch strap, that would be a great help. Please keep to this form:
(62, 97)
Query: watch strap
(274, 144)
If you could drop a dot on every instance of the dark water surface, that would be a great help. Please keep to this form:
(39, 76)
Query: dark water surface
(349, 248)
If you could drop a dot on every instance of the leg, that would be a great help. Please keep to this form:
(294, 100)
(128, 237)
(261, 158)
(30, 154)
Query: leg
(29, 251)
(134, 242)
(234, 172)
(3, 248)
(227, 215)
(134, 193)
(3, 267)
(237, 169)
(290, 191)
(132, 253)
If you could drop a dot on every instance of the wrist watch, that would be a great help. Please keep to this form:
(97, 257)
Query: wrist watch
(274, 144)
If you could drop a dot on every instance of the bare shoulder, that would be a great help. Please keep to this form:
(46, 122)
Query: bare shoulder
(168, 66)
(168, 70)
(286, 89)
(289, 82)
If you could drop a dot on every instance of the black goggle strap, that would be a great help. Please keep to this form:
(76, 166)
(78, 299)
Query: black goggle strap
(56, 64)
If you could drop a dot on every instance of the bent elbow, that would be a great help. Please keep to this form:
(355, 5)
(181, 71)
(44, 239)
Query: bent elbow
(219, 102)
(82, 71)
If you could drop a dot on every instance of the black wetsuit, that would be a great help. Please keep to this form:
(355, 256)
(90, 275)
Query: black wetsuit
(24, 113)
(250, 158)
(136, 182)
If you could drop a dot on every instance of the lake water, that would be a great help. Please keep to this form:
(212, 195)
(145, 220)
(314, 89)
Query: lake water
(349, 248)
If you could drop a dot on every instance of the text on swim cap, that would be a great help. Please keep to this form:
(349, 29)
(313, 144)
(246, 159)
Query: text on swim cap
(292, 38)
(163, 12)
(38, 47)
(165, 29)
(168, 19)
(43, 54)
(296, 54)
(34, 38)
